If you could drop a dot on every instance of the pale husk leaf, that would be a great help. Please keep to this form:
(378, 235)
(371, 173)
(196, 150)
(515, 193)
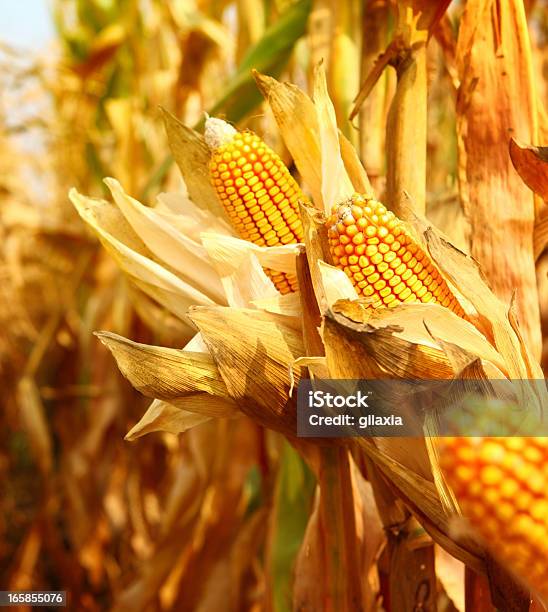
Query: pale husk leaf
(176, 209)
(335, 284)
(336, 185)
(196, 345)
(103, 215)
(421, 322)
(244, 280)
(465, 273)
(288, 304)
(230, 251)
(187, 257)
(239, 264)
(356, 172)
(163, 416)
(297, 121)
(98, 214)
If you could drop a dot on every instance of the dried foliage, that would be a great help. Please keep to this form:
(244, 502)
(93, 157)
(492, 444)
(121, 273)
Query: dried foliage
(176, 481)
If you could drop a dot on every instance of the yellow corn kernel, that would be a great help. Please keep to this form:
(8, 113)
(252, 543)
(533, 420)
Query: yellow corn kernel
(365, 228)
(257, 191)
(502, 488)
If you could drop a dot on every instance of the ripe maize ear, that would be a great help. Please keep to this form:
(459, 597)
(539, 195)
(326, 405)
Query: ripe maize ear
(257, 191)
(383, 261)
(502, 488)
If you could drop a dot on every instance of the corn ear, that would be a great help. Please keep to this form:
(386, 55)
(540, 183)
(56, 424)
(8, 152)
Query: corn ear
(383, 261)
(257, 191)
(502, 488)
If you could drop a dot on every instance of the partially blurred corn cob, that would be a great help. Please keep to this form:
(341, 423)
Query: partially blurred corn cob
(257, 191)
(383, 261)
(502, 488)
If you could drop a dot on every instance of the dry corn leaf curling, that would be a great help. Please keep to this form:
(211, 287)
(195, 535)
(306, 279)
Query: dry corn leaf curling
(253, 352)
(163, 416)
(192, 156)
(171, 375)
(135, 259)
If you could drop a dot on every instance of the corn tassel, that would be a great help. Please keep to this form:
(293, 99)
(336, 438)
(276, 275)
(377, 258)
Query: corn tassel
(383, 261)
(257, 191)
(502, 488)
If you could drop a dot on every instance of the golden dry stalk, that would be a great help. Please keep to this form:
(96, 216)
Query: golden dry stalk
(257, 191)
(502, 488)
(383, 261)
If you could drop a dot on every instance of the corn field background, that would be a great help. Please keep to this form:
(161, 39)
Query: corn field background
(217, 505)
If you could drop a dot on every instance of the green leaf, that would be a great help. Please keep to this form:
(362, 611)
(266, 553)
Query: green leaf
(296, 485)
(268, 55)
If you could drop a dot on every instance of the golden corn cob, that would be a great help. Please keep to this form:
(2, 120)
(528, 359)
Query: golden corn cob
(502, 488)
(381, 258)
(257, 191)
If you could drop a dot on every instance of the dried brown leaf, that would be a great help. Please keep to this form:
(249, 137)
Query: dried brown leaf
(187, 257)
(170, 374)
(336, 184)
(531, 163)
(356, 172)
(192, 156)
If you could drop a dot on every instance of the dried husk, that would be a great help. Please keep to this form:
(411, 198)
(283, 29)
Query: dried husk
(180, 377)
(253, 351)
(402, 342)
(297, 121)
(288, 304)
(227, 252)
(187, 257)
(326, 160)
(192, 154)
(163, 416)
(336, 185)
(135, 259)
